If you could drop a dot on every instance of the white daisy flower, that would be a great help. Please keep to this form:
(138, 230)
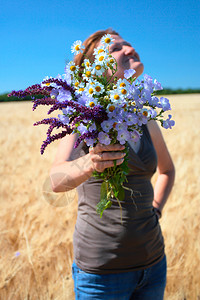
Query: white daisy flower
(123, 83)
(72, 67)
(115, 96)
(77, 47)
(107, 40)
(101, 58)
(99, 88)
(87, 75)
(98, 69)
(111, 60)
(100, 49)
(80, 88)
(91, 102)
(87, 63)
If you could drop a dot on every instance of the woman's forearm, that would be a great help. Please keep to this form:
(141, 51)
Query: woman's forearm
(69, 174)
(163, 188)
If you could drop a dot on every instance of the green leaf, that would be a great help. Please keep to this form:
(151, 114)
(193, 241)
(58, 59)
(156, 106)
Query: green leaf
(104, 190)
(121, 193)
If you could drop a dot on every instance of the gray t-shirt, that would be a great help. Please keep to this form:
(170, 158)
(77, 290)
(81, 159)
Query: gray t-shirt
(109, 245)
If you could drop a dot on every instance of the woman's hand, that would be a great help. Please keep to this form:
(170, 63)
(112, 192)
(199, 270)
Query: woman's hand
(103, 156)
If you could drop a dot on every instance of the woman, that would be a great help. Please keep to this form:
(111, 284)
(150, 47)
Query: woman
(114, 259)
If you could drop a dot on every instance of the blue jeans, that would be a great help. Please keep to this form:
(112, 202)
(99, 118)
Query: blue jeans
(146, 284)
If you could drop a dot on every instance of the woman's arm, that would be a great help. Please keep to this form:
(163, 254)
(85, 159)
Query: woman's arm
(67, 174)
(166, 170)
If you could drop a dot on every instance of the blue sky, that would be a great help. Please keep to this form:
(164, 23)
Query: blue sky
(36, 37)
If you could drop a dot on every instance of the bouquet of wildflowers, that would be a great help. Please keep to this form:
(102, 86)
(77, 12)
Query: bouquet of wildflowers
(101, 109)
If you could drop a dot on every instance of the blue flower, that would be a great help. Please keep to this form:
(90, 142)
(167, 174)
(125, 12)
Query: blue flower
(107, 125)
(168, 123)
(89, 142)
(123, 136)
(131, 119)
(64, 119)
(104, 138)
(157, 85)
(129, 73)
(64, 95)
(135, 136)
(165, 103)
(82, 129)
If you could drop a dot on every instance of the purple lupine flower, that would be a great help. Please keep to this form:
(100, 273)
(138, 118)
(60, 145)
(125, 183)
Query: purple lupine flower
(168, 123)
(129, 73)
(165, 103)
(54, 137)
(35, 89)
(123, 136)
(104, 138)
(43, 101)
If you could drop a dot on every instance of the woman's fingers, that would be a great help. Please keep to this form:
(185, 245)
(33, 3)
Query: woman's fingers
(103, 156)
(100, 166)
(106, 148)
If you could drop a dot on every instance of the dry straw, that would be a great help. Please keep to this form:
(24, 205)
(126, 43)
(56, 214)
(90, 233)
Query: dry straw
(36, 231)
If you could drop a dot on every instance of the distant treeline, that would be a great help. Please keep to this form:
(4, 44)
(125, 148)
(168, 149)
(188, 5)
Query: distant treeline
(165, 91)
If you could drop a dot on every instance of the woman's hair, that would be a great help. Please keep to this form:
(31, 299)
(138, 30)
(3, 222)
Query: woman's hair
(90, 43)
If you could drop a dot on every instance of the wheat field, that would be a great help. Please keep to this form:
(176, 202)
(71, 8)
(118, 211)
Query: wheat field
(36, 225)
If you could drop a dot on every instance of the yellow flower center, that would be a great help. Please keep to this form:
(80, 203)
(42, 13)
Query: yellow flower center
(91, 92)
(116, 97)
(107, 40)
(98, 67)
(53, 97)
(111, 108)
(123, 91)
(92, 104)
(47, 84)
(87, 64)
(91, 82)
(76, 84)
(134, 110)
(98, 88)
(145, 113)
(72, 68)
(111, 60)
(133, 103)
(77, 47)
(88, 73)
(100, 51)
(81, 89)
(101, 58)
(122, 84)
